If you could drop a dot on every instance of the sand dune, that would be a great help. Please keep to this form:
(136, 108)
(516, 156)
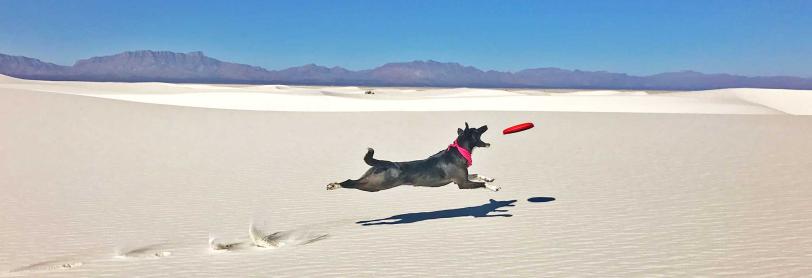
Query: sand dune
(350, 99)
(96, 186)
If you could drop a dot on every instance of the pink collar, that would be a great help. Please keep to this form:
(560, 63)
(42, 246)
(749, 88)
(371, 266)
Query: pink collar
(465, 153)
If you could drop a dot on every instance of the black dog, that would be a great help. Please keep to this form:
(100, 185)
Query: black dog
(449, 165)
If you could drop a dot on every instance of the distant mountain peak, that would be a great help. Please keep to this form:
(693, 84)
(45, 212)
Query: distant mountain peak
(150, 65)
(24, 67)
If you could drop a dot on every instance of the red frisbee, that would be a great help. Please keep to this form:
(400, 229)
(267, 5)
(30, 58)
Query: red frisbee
(517, 128)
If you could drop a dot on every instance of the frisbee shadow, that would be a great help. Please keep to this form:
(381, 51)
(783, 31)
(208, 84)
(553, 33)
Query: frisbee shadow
(540, 199)
(474, 211)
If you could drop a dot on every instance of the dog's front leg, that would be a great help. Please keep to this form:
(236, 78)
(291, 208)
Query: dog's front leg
(463, 181)
(478, 177)
(467, 184)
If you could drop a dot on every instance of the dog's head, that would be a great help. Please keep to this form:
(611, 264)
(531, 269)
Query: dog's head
(472, 137)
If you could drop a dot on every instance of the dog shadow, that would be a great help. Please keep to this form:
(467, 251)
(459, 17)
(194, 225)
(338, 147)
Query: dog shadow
(475, 211)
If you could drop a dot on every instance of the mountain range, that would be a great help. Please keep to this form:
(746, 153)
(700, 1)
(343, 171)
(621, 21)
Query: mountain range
(195, 67)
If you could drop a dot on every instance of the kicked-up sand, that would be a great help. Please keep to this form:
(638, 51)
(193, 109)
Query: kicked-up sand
(147, 179)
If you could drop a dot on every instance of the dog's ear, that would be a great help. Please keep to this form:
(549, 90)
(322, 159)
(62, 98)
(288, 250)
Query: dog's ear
(483, 129)
(459, 131)
(466, 125)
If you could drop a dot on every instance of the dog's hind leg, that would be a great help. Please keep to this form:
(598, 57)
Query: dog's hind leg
(361, 184)
(344, 184)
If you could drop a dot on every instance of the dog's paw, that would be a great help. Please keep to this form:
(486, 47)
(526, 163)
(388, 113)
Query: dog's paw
(486, 179)
(493, 187)
(333, 186)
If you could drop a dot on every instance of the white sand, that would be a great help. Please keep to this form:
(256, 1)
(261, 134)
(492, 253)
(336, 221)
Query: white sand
(101, 187)
(351, 99)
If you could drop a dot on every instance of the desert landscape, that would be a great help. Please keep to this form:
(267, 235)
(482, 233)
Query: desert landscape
(160, 179)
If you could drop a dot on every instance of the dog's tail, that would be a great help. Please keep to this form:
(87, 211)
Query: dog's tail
(374, 162)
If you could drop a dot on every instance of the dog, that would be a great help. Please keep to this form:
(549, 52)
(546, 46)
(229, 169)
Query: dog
(447, 166)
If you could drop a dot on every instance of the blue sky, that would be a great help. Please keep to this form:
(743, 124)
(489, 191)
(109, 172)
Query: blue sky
(637, 37)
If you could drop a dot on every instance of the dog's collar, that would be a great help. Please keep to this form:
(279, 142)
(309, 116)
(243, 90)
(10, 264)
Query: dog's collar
(465, 153)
